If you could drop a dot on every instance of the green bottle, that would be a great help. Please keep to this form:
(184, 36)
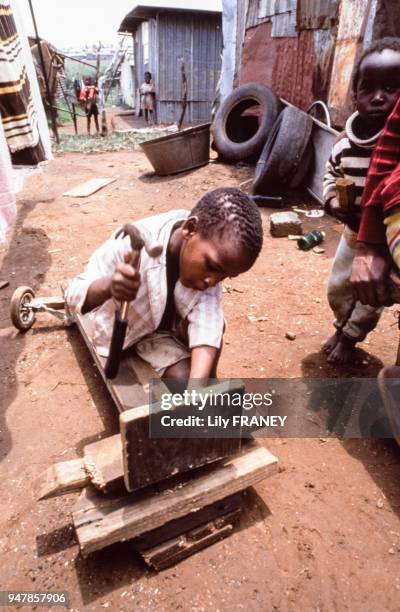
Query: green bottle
(310, 240)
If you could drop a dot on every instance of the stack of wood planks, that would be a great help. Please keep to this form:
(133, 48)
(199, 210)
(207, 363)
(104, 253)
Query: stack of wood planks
(168, 498)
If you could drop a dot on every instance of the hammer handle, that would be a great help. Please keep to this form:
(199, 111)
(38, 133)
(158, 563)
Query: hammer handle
(134, 260)
(119, 330)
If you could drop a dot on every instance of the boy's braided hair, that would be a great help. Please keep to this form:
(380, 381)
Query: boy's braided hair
(389, 42)
(230, 212)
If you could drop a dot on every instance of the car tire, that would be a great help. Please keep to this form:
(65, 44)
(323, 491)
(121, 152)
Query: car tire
(237, 136)
(287, 154)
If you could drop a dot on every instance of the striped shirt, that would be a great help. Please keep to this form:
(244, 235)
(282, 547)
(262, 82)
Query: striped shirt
(350, 158)
(202, 309)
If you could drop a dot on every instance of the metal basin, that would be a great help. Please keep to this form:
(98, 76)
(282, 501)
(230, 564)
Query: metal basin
(189, 148)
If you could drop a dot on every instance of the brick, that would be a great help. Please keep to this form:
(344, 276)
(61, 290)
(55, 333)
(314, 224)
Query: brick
(285, 223)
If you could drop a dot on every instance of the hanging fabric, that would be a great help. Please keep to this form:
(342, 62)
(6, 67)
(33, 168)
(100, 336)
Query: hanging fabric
(19, 116)
(8, 209)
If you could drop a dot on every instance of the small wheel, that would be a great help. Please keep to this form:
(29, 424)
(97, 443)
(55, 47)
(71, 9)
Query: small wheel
(22, 317)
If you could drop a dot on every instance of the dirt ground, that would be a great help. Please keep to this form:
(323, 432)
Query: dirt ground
(323, 534)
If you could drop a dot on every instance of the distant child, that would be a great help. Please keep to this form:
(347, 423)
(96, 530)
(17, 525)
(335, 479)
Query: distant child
(147, 94)
(376, 87)
(175, 317)
(90, 94)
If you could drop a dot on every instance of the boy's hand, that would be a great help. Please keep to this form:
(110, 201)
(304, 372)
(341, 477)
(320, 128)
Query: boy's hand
(333, 208)
(125, 281)
(369, 276)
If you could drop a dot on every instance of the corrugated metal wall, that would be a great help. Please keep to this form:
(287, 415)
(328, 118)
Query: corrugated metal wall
(197, 41)
(128, 80)
(290, 47)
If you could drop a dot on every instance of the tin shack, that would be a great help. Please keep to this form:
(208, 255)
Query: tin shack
(165, 38)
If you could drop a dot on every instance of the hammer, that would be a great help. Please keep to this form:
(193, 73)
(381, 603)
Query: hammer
(139, 239)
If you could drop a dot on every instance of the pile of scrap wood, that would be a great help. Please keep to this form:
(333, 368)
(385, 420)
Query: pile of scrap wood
(168, 497)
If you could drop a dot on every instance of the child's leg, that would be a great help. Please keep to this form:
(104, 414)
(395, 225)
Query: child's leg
(353, 320)
(169, 355)
(340, 296)
(88, 120)
(96, 122)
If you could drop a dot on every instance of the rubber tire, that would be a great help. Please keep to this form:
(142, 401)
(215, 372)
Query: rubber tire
(17, 300)
(230, 112)
(287, 154)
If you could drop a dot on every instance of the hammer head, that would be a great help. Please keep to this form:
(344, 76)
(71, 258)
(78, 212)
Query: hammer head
(140, 238)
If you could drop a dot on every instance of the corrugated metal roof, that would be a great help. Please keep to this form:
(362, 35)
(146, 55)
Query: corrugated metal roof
(142, 12)
(317, 14)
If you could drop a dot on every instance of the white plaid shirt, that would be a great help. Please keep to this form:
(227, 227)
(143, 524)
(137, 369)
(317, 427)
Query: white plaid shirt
(202, 309)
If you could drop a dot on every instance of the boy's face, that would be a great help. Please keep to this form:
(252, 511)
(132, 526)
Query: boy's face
(205, 262)
(147, 78)
(88, 81)
(378, 86)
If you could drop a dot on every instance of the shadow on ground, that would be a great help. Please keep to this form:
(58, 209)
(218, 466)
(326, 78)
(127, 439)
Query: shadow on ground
(27, 245)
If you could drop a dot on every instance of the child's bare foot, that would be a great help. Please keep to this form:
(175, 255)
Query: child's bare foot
(332, 341)
(343, 352)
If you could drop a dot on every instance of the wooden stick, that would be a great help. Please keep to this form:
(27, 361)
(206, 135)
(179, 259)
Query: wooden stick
(184, 96)
(345, 192)
(398, 346)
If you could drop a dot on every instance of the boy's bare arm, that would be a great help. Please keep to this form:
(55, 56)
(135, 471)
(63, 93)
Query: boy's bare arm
(202, 364)
(123, 286)
(98, 293)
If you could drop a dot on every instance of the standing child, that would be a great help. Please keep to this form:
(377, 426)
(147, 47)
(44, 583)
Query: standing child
(175, 317)
(90, 94)
(147, 94)
(376, 87)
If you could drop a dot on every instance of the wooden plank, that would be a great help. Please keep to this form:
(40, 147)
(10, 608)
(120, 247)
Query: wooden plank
(102, 520)
(126, 389)
(86, 189)
(101, 466)
(171, 552)
(60, 478)
(148, 460)
(187, 523)
(103, 463)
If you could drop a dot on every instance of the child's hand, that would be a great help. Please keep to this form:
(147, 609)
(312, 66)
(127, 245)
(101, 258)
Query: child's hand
(125, 281)
(333, 208)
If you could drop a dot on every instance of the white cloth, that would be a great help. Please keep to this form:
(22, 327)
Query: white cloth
(202, 309)
(8, 209)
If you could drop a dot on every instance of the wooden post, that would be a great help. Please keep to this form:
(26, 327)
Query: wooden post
(46, 80)
(98, 63)
(74, 118)
(184, 96)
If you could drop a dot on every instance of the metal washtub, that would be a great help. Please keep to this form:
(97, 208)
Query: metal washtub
(183, 150)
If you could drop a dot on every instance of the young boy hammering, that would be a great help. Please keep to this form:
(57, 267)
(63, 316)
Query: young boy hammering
(376, 87)
(175, 316)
